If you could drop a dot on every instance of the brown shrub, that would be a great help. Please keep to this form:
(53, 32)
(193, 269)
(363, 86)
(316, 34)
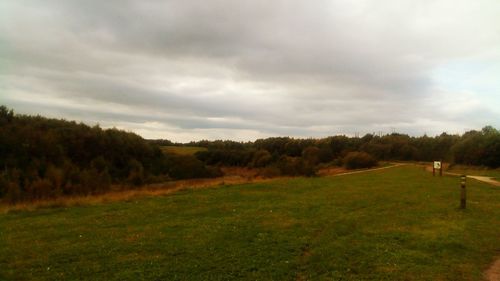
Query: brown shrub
(357, 160)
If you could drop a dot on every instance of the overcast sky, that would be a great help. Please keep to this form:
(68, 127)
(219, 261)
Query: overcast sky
(226, 69)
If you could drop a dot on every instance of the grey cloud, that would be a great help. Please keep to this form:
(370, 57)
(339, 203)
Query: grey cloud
(280, 67)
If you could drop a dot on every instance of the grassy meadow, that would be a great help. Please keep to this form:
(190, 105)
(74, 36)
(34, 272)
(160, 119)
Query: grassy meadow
(393, 224)
(182, 150)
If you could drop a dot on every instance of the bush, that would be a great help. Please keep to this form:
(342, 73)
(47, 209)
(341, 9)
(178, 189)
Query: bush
(136, 173)
(310, 158)
(93, 182)
(189, 167)
(40, 189)
(357, 160)
(261, 158)
(291, 166)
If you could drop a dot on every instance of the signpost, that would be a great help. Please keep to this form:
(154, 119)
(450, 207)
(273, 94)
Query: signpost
(462, 193)
(437, 166)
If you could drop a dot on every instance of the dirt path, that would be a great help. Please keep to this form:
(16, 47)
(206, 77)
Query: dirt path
(369, 170)
(493, 273)
(486, 180)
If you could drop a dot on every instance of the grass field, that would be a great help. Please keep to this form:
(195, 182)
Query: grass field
(393, 224)
(182, 150)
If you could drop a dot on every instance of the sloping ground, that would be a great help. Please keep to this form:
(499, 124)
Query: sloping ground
(232, 176)
(392, 224)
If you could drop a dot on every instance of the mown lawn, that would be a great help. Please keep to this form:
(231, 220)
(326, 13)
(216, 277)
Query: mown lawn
(393, 224)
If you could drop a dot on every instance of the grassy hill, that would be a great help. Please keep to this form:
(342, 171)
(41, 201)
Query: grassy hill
(393, 224)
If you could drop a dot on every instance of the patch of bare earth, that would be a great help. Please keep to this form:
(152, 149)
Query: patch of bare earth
(493, 273)
(331, 171)
(240, 172)
(306, 253)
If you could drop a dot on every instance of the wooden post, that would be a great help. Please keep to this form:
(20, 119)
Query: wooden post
(462, 193)
(441, 169)
(433, 170)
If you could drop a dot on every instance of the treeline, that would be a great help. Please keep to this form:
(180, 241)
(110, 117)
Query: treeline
(44, 158)
(291, 156)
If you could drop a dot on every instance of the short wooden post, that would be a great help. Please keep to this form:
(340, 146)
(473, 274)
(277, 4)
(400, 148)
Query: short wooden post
(433, 171)
(463, 195)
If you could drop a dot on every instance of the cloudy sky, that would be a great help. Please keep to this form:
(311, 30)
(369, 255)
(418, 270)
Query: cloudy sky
(227, 69)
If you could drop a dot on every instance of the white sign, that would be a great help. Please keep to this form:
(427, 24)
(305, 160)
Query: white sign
(437, 164)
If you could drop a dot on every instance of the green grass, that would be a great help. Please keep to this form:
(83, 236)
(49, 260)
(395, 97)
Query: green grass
(182, 150)
(393, 224)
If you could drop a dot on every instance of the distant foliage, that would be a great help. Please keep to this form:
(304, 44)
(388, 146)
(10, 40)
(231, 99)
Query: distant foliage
(478, 148)
(44, 158)
(189, 167)
(226, 157)
(302, 156)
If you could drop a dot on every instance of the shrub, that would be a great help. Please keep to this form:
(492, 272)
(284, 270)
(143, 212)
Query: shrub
(291, 166)
(4, 183)
(310, 158)
(356, 160)
(261, 158)
(136, 173)
(40, 189)
(189, 167)
(13, 193)
(311, 155)
(93, 182)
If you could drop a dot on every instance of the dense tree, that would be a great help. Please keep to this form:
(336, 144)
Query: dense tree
(43, 158)
(188, 167)
(478, 148)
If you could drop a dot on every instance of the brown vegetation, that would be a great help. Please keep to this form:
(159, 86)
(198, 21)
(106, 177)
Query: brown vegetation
(42, 158)
(121, 193)
(232, 176)
(357, 160)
